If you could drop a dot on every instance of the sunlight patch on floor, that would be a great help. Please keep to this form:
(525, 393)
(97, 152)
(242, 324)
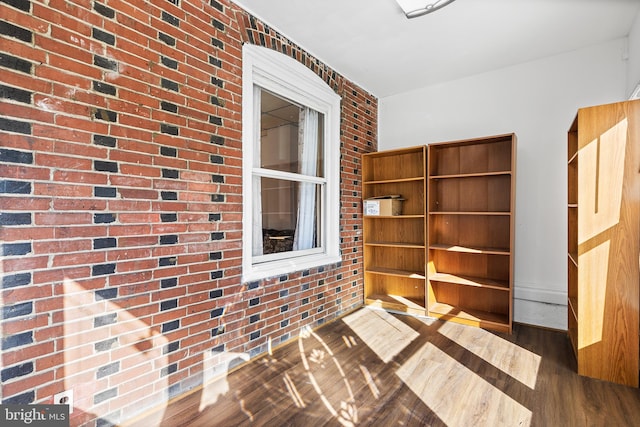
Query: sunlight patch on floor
(457, 395)
(381, 332)
(320, 364)
(511, 359)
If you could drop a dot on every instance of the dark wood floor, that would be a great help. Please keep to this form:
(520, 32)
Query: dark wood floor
(373, 368)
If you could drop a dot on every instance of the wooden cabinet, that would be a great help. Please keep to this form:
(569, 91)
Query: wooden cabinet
(395, 245)
(471, 200)
(604, 241)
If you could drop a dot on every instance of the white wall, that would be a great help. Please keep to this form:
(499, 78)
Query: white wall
(538, 101)
(633, 49)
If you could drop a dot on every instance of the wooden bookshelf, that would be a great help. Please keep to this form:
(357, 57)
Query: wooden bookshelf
(603, 219)
(395, 245)
(471, 201)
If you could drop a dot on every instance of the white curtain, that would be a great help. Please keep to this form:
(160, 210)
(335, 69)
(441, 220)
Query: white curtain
(307, 160)
(257, 186)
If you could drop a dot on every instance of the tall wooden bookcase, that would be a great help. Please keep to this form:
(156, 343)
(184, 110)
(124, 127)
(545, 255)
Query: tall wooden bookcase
(604, 241)
(395, 246)
(471, 206)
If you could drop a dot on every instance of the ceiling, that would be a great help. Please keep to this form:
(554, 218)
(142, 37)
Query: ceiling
(373, 44)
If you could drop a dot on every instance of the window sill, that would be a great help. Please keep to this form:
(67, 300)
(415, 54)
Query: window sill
(286, 266)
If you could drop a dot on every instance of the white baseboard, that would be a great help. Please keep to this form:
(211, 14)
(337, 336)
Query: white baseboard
(552, 316)
(540, 307)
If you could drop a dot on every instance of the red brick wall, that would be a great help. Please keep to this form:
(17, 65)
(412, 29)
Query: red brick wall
(121, 202)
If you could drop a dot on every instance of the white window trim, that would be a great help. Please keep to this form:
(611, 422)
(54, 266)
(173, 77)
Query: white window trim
(287, 77)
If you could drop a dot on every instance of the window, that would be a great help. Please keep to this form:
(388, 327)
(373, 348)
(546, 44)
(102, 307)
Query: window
(291, 155)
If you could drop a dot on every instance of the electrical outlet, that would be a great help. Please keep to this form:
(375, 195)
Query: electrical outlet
(64, 398)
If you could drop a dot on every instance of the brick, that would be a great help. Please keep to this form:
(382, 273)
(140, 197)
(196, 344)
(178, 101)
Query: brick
(15, 94)
(217, 140)
(169, 84)
(215, 159)
(107, 370)
(217, 24)
(21, 399)
(103, 36)
(169, 282)
(102, 166)
(14, 280)
(16, 310)
(216, 63)
(169, 106)
(105, 88)
(104, 218)
(15, 63)
(104, 243)
(167, 17)
(217, 82)
(106, 345)
(104, 140)
(106, 115)
(171, 347)
(168, 305)
(14, 126)
(15, 218)
(167, 39)
(168, 62)
(104, 10)
(104, 192)
(17, 371)
(168, 151)
(168, 129)
(103, 269)
(61, 190)
(105, 395)
(19, 33)
(217, 43)
(24, 5)
(167, 370)
(17, 340)
(15, 249)
(170, 173)
(83, 177)
(107, 319)
(106, 294)
(170, 326)
(169, 239)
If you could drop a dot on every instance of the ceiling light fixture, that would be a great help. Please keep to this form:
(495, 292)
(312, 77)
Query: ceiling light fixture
(415, 8)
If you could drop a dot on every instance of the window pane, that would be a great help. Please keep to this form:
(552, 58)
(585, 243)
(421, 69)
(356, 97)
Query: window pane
(290, 219)
(286, 131)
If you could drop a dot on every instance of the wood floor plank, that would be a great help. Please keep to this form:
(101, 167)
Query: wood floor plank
(375, 368)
